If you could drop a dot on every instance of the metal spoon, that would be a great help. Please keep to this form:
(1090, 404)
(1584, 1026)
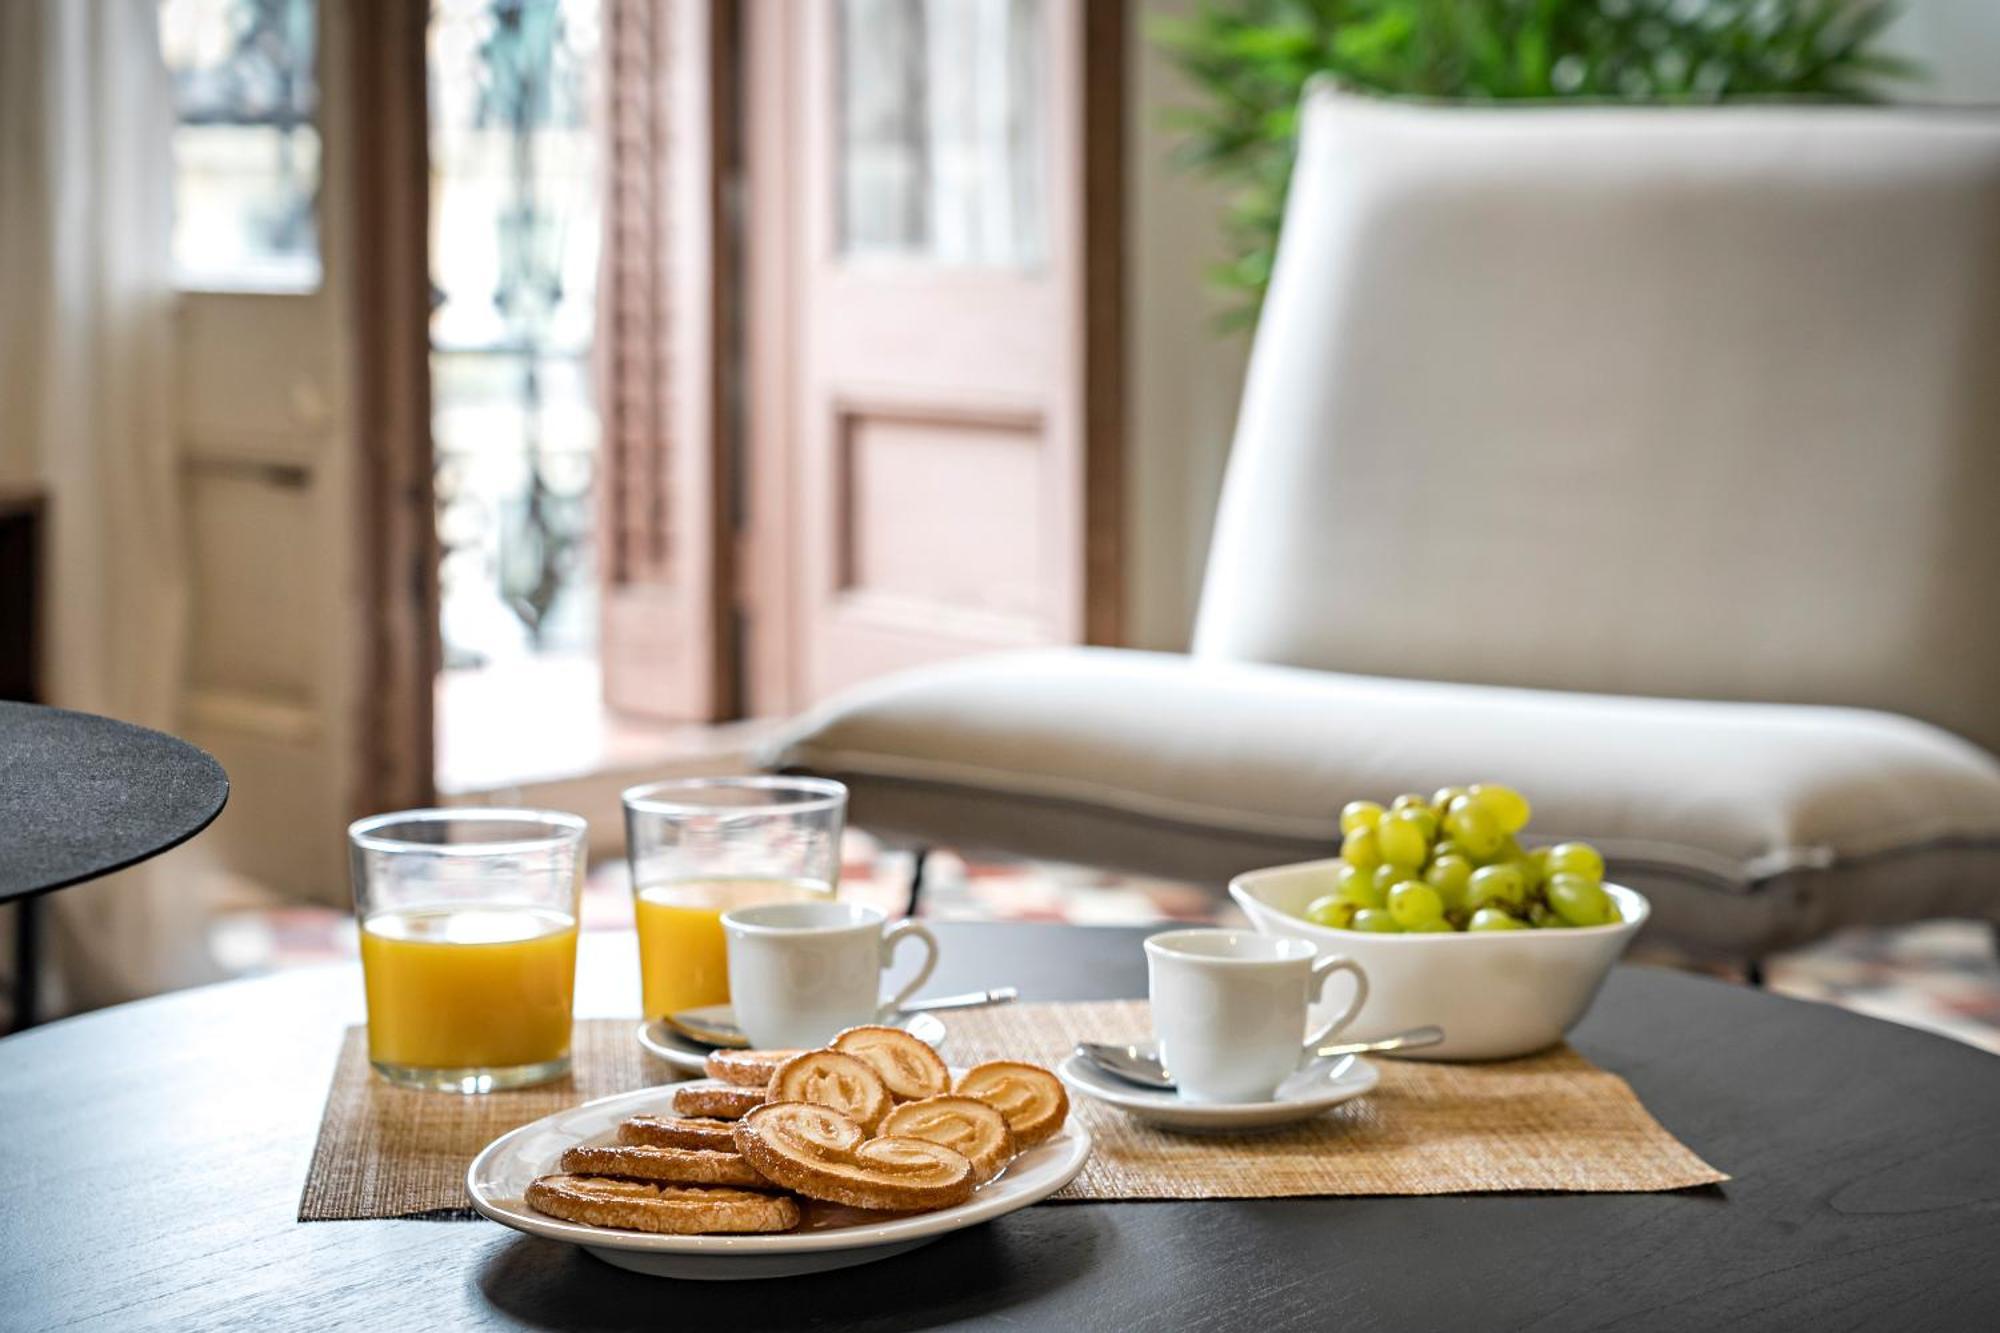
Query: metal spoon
(715, 1024)
(1140, 1066)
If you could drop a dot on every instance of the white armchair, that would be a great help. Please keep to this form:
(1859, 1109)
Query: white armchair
(1670, 439)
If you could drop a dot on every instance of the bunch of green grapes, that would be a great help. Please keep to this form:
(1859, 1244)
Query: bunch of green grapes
(1450, 862)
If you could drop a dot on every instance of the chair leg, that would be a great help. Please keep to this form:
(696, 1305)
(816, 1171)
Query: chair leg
(916, 880)
(27, 964)
(1753, 973)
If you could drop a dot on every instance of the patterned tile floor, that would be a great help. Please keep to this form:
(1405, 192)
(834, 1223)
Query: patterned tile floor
(1941, 975)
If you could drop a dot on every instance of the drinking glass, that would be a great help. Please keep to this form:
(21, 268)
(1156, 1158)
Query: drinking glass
(700, 847)
(468, 944)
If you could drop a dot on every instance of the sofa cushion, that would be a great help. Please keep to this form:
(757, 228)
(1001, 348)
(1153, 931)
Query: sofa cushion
(1752, 826)
(1683, 401)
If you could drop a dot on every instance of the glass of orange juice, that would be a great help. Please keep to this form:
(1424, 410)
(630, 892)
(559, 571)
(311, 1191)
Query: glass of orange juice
(468, 944)
(702, 846)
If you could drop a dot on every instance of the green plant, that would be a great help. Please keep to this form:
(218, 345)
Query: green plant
(1251, 59)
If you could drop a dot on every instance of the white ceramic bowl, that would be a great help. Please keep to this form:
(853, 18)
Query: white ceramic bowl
(1495, 993)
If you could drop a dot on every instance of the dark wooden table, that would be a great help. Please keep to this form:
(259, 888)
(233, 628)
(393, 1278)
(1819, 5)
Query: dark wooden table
(151, 1158)
(82, 796)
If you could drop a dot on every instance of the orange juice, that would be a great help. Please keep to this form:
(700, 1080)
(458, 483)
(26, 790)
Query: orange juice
(683, 961)
(468, 988)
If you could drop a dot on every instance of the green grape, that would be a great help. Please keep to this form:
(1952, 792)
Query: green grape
(1472, 827)
(1576, 858)
(1496, 886)
(1413, 903)
(1375, 920)
(1493, 918)
(1359, 848)
(1508, 807)
(1533, 869)
(1446, 847)
(1401, 842)
(1578, 901)
(1331, 911)
(1509, 850)
(1541, 918)
(1385, 877)
(1449, 875)
(1357, 886)
(1437, 927)
(1420, 815)
(1442, 798)
(1358, 814)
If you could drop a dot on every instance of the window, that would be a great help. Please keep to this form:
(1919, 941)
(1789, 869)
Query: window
(246, 150)
(514, 247)
(941, 111)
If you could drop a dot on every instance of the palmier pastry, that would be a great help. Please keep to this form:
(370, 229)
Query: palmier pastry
(665, 1131)
(965, 1124)
(668, 1166)
(1029, 1096)
(908, 1066)
(747, 1069)
(822, 1154)
(835, 1079)
(642, 1205)
(720, 1103)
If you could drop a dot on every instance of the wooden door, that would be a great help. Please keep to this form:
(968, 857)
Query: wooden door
(935, 349)
(303, 406)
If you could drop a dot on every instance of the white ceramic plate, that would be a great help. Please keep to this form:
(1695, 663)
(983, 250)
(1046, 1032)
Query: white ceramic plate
(834, 1238)
(692, 1057)
(1315, 1088)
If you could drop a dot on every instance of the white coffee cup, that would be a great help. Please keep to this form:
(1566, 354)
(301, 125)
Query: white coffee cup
(800, 972)
(1229, 1008)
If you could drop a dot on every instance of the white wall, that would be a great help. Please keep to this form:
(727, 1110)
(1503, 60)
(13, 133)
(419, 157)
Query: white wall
(1185, 377)
(1959, 43)
(1183, 373)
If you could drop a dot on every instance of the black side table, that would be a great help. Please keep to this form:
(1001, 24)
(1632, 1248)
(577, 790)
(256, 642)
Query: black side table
(82, 796)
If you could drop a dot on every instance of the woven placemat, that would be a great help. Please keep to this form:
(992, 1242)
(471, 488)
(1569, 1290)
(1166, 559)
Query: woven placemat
(1552, 1122)
(385, 1151)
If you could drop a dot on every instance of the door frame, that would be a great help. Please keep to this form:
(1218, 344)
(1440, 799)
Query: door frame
(384, 75)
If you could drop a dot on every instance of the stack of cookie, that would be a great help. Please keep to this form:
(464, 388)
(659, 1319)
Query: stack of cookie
(873, 1120)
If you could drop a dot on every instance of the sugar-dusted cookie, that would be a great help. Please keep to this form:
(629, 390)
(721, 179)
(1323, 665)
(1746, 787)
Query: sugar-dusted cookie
(746, 1069)
(822, 1154)
(835, 1079)
(668, 1166)
(965, 1124)
(716, 1101)
(909, 1067)
(642, 1205)
(1029, 1096)
(666, 1131)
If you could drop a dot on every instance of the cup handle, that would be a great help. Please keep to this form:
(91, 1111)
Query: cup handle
(1321, 970)
(896, 934)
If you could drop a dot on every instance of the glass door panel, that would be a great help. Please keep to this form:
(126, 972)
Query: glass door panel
(941, 153)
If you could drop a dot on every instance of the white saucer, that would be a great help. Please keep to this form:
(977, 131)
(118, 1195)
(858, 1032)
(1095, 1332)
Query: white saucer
(838, 1239)
(1315, 1088)
(692, 1057)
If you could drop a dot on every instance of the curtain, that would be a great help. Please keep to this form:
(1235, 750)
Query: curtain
(86, 311)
